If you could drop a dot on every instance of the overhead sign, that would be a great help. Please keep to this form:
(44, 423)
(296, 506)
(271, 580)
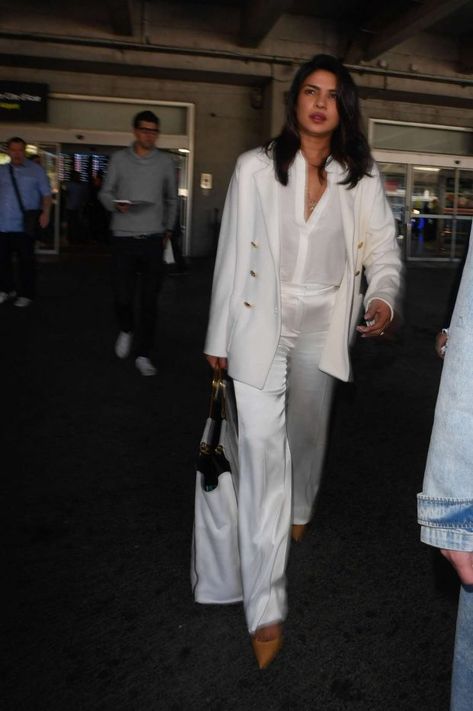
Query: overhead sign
(23, 101)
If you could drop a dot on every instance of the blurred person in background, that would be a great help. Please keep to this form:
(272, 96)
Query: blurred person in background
(98, 216)
(141, 193)
(77, 193)
(24, 193)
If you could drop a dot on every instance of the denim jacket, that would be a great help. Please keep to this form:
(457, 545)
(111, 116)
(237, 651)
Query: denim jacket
(445, 506)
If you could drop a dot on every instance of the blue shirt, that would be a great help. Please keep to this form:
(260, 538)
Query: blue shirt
(33, 185)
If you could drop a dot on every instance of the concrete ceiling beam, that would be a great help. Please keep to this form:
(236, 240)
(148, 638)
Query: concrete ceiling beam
(120, 16)
(258, 18)
(466, 55)
(369, 43)
(417, 19)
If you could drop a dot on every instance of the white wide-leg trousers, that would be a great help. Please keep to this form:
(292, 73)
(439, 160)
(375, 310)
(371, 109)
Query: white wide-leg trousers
(282, 439)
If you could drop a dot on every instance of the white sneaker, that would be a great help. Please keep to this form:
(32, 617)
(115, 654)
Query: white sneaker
(123, 344)
(145, 366)
(22, 302)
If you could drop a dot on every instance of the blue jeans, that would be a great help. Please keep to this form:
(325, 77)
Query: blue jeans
(462, 674)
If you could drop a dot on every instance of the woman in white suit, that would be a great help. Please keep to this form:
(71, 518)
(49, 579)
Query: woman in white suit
(304, 217)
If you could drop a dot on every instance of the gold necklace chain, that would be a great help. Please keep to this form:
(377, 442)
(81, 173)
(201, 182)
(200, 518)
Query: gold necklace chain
(311, 203)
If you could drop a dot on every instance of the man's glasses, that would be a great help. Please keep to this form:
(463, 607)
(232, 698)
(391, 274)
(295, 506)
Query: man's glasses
(153, 131)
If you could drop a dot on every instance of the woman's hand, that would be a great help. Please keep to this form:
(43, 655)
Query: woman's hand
(377, 317)
(462, 561)
(217, 362)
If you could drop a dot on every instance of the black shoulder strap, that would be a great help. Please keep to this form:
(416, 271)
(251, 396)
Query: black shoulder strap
(15, 185)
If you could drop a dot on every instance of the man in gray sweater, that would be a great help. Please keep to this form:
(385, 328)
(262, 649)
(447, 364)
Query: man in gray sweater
(140, 191)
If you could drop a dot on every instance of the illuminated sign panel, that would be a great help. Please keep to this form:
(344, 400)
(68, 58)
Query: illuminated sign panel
(23, 101)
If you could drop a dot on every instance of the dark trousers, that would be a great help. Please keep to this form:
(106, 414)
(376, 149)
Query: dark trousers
(176, 244)
(23, 245)
(138, 271)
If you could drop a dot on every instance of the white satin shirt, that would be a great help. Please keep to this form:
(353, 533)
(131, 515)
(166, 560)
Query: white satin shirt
(312, 251)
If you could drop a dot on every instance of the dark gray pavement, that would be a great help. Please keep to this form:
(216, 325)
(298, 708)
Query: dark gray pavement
(97, 479)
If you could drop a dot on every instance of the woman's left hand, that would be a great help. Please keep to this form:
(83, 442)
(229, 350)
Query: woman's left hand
(377, 317)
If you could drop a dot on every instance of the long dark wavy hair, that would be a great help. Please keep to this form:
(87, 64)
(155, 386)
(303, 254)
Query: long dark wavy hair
(348, 145)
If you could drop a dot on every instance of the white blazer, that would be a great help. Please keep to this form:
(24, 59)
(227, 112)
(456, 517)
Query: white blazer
(245, 311)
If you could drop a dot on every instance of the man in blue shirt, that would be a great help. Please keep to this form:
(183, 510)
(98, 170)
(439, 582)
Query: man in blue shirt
(34, 192)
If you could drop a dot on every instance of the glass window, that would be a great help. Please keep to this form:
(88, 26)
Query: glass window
(432, 211)
(394, 180)
(432, 206)
(465, 193)
(111, 116)
(422, 139)
(464, 208)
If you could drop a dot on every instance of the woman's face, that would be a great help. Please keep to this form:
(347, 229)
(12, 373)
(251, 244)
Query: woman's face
(316, 108)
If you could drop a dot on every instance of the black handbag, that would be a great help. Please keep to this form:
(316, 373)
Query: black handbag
(30, 217)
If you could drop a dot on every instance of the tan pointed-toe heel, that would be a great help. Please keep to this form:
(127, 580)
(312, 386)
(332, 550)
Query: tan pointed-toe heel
(298, 531)
(266, 649)
(265, 652)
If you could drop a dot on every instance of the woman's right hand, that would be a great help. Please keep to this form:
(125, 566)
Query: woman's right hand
(217, 362)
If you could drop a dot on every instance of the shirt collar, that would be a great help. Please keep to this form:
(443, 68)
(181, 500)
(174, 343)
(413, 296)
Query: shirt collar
(331, 165)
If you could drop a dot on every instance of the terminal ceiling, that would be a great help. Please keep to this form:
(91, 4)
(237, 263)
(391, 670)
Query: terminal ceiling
(368, 28)
(365, 30)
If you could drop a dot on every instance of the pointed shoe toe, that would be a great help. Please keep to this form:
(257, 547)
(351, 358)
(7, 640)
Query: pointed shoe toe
(266, 651)
(298, 531)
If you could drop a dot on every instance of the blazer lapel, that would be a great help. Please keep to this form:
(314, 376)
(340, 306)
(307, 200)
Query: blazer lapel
(267, 188)
(347, 198)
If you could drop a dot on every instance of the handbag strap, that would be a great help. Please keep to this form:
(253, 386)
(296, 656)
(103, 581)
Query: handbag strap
(217, 397)
(15, 186)
(215, 394)
(223, 398)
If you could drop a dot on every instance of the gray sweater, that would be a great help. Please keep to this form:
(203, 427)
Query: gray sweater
(150, 180)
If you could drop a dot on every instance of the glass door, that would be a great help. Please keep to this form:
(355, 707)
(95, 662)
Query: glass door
(464, 215)
(47, 155)
(441, 212)
(395, 183)
(84, 222)
(433, 209)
